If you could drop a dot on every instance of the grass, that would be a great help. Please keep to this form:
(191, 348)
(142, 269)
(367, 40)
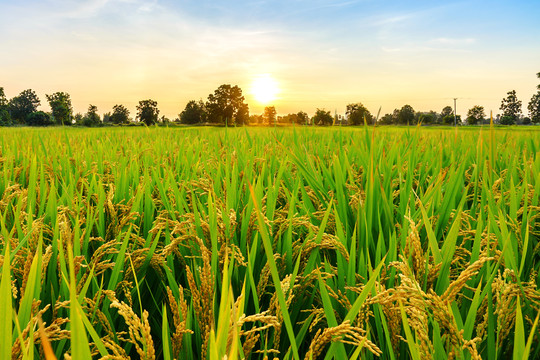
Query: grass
(257, 243)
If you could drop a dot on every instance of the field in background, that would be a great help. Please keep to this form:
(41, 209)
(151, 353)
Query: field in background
(259, 243)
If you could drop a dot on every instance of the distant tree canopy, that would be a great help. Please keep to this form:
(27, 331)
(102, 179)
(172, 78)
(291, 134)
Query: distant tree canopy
(475, 115)
(511, 108)
(447, 111)
(426, 118)
(23, 105)
(242, 116)
(120, 115)
(357, 113)
(534, 108)
(5, 117)
(61, 109)
(269, 115)
(303, 117)
(147, 112)
(224, 105)
(322, 117)
(295, 118)
(255, 119)
(92, 118)
(406, 115)
(194, 113)
(39, 118)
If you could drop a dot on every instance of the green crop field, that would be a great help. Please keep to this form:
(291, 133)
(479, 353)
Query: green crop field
(258, 243)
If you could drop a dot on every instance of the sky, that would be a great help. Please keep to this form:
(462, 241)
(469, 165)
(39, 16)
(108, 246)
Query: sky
(318, 53)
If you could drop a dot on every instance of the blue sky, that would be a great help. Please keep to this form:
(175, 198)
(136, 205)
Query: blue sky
(322, 53)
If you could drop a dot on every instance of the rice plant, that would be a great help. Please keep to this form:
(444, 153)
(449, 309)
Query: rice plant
(289, 243)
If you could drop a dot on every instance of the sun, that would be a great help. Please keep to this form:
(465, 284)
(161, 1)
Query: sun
(264, 88)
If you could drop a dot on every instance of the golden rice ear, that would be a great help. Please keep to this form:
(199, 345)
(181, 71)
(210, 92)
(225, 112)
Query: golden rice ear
(45, 344)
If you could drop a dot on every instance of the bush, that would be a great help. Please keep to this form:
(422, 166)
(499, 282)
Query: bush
(39, 118)
(508, 120)
(5, 118)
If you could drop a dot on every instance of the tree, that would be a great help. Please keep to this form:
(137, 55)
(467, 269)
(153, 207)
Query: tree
(538, 76)
(322, 117)
(78, 119)
(446, 111)
(255, 119)
(406, 115)
(511, 108)
(147, 112)
(39, 118)
(120, 115)
(223, 105)
(3, 99)
(507, 120)
(242, 116)
(269, 115)
(5, 117)
(92, 118)
(302, 117)
(426, 118)
(298, 118)
(288, 119)
(387, 119)
(60, 103)
(476, 115)
(194, 113)
(534, 108)
(23, 105)
(356, 114)
(106, 118)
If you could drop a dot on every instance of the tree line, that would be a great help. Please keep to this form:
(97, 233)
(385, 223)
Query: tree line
(226, 106)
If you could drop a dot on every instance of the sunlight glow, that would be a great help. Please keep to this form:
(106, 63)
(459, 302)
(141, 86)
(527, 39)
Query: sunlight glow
(264, 88)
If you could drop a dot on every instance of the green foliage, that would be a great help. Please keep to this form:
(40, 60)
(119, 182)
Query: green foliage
(61, 109)
(5, 118)
(302, 117)
(194, 113)
(78, 119)
(242, 116)
(322, 117)
(120, 115)
(23, 105)
(4, 103)
(476, 115)
(224, 105)
(387, 119)
(91, 118)
(406, 115)
(508, 120)
(39, 118)
(269, 115)
(147, 112)
(357, 113)
(511, 108)
(447, 111)
(426, 118)
(296, 118)
(191, 243)
(534, 108)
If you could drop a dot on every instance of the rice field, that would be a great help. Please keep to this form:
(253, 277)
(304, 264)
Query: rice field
(256, 243)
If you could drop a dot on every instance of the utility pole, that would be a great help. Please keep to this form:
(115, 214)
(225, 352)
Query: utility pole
(455, 116)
